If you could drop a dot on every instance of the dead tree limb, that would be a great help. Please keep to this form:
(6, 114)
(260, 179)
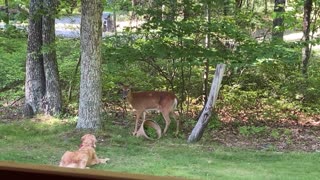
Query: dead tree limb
(203, 121)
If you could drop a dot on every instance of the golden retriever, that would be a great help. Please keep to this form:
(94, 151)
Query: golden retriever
(85, 156)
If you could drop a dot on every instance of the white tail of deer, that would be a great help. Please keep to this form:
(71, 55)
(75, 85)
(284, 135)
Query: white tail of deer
(163, 101)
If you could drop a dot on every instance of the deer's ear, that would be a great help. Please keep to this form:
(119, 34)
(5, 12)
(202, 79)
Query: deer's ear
(120, 84)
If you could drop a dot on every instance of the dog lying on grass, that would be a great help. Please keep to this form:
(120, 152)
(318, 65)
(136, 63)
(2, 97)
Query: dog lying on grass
(85, 156)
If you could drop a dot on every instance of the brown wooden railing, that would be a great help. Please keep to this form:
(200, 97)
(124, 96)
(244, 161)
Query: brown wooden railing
(25, 171)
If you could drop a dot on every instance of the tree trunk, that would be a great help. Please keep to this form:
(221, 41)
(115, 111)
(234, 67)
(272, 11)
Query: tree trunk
(277, 30)
(132, 13)
(253, 5)
(239, 4)
(115, 23)
(203, 121)
(206, 63)
(173, 10)
(35, 80)
(226, 7)
(265, 7)
(7, 17)
(53, 100)
(306, 50)
(90, 81)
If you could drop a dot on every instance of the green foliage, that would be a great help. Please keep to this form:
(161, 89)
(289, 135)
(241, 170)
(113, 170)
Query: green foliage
(18, 10)
(68, 7)
(12, 63)
(11, 31)
(69, 72)
(252, 130)
(214, 122)
(152, 133)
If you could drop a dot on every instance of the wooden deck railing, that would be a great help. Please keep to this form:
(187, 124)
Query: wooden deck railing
(12, 170)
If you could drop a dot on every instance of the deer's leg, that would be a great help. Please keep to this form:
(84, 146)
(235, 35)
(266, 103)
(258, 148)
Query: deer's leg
(138, 114)
(167, 119)
(143, 116)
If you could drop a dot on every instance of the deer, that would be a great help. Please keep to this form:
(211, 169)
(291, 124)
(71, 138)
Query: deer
(144, 101)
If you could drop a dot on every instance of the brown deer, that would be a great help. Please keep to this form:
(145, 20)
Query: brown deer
(163, 101)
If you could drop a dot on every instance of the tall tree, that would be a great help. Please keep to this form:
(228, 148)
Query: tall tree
(306, 50)
(279, 9)
(35, 80)
(7, 17)
(90, 82)
(42, 90)
(206, 62)
(265, 7)
(226, 7)
(53, 98)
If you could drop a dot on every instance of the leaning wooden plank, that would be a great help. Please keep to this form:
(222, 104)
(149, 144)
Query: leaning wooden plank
(203, 120)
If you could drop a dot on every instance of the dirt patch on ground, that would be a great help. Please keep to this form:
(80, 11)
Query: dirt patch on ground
(9, 113)
(284, 137)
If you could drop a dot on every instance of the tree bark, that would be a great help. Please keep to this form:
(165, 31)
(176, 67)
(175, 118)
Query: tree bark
(90, 81)
(7, 17)
(306, 50)
(226, 7)
(265, 7)
(206, 62)
(239, 4)
(35, 80)
(53, 100)
(277, 30)
(115, 23)
(203, 120)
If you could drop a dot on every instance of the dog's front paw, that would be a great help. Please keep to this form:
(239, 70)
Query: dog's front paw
(103, 161)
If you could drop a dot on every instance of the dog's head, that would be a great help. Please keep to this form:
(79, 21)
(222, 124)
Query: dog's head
(88, 140)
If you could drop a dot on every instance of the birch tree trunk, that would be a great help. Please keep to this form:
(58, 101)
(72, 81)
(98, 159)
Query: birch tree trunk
(35, 80)
(90, 82)
(203, 120)
(53, 100)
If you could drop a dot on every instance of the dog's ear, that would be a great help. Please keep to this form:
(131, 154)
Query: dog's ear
(84, 137)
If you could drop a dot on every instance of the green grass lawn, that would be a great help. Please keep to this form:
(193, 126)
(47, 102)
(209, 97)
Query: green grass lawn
(44, 140)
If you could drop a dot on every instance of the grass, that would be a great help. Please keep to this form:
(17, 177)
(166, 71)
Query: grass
(43, 140)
